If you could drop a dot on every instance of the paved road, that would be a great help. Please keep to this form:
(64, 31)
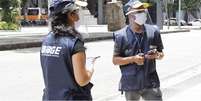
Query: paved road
(180, 71)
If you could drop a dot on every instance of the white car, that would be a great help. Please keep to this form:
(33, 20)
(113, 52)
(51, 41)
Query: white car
(196, 22)
(173, 22)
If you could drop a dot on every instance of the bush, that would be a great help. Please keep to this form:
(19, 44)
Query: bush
(8, 26)
(3, 25)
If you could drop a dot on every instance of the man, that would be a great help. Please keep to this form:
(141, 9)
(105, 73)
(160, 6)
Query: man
(136, 48)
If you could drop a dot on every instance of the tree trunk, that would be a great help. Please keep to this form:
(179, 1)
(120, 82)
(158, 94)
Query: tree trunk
(5, 10)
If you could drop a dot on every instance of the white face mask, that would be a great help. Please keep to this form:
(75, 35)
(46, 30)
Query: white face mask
(140, 18)
(77, 24)
(81, 30)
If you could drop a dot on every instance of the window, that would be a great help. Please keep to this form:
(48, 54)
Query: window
(33, 11)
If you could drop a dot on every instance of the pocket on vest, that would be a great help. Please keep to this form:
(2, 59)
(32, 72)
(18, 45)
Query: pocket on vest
(129, 79)
(129, 69)
(129, 82)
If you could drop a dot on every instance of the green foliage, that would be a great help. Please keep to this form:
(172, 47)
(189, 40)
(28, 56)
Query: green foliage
(45, 5)
(0, 14)
(190, 4)
(23, 3)
(171, 7)
(10, 11)
(8, 26)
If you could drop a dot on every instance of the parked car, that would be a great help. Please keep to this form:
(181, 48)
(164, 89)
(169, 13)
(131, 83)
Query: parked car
(173, 22)
(196, 22)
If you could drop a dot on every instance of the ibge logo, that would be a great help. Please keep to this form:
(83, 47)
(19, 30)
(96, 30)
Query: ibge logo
(52, 51)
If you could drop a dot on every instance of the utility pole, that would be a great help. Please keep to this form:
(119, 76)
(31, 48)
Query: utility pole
(179, 23)
(167, 14)
(100, 11)
(159, 15)
(49, 24)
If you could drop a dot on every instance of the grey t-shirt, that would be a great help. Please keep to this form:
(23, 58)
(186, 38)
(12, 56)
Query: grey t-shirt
(79, 47)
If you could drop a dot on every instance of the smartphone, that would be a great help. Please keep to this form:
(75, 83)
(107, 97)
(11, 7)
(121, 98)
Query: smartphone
(97, 57)
(153, 47)
(151, 52)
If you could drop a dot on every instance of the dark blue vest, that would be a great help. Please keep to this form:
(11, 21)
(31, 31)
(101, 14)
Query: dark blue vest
(56, 62)
(135, 77)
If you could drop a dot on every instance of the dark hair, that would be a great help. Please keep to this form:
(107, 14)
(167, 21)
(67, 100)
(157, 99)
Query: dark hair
(127, 20)
(59, 23)
(125, 10)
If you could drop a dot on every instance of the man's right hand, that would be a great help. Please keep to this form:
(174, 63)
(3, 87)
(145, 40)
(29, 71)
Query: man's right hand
(138, 59)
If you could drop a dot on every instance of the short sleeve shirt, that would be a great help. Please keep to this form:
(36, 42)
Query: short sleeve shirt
(79, 47)
(158, 41)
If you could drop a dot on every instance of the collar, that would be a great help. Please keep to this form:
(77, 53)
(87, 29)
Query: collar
(130, 29)
(70, 31)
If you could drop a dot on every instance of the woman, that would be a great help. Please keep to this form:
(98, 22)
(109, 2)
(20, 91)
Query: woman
(63, 56)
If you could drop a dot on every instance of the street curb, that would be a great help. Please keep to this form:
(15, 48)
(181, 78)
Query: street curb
(109, 35)
(37, 43)
(175, 31)
(19, 45)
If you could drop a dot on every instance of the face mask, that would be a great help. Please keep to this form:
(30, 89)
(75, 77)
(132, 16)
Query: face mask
(77, 24)
(140, 18)
(82, 30)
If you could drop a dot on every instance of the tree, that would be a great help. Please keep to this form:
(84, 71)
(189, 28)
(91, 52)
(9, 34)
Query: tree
(191, 4)
(23, 6)
(10, 10)
(191, 7)
(23, 3)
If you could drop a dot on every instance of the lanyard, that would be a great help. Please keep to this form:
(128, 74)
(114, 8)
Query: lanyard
(139, 37)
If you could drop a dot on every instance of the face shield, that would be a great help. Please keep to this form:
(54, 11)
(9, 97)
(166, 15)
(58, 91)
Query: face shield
(133, 7)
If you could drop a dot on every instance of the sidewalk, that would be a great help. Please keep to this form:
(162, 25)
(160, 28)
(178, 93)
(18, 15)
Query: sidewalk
(32, 36)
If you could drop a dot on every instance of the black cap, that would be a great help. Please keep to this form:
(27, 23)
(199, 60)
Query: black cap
(64, 6)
